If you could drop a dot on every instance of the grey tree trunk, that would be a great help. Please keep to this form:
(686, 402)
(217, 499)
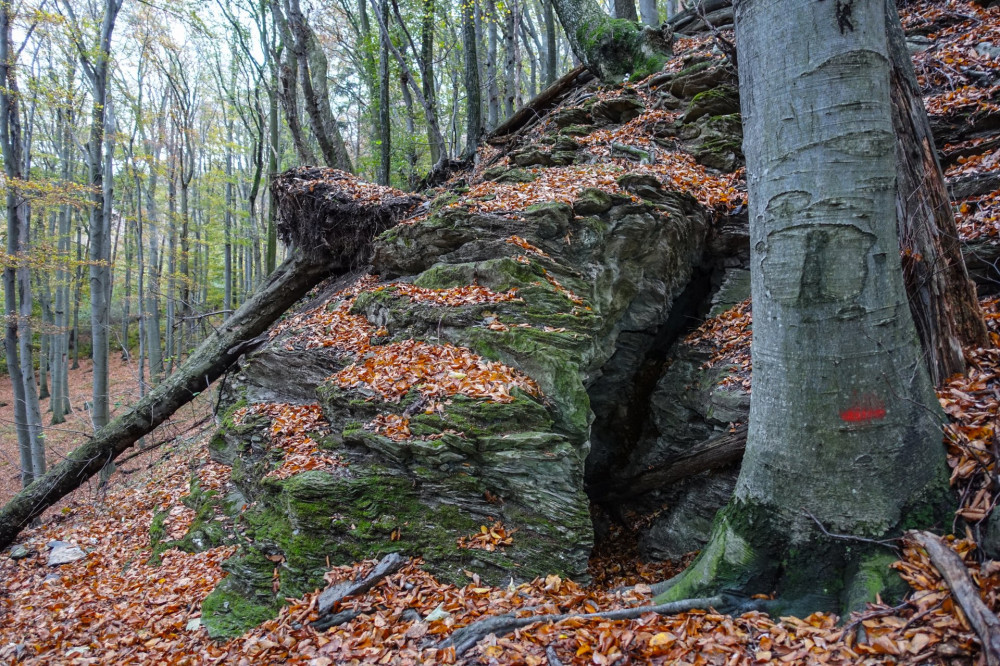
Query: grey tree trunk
(844, 426)
(78, 293)
(551, 44)
(287, 78)
(10, 142)
(512, 60)
(32, 408)
(312, 65)
(492, 85)
(271, 251)
(625, 9)
(228, 230)
(154, 351)
(473, 103)
(650, 14)
(384, 118)
(96, 64)
(437, 146)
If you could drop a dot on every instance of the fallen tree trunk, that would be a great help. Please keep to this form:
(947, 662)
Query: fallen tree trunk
(541, 103)
(329, 219)
(965, 594)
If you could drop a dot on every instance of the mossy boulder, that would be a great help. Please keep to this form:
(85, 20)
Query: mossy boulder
(592, 201)
(619, 109)
(698, 76)
(516, 176)
(532, 157)
(719, 143)
(720, 101)
(576, 115)
(469, 459)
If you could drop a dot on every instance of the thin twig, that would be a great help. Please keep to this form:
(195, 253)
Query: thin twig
(888, 543)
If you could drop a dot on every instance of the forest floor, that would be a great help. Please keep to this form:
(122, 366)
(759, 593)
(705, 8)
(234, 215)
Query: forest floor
(62, 438)
(114, 607)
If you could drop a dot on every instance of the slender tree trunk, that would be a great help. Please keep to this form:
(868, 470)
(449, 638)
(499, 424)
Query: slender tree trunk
(10, 141)
(271, 252)
(227, 303)
(126, 299)
(844, 426)
(287, 77)
(551, 44)
(78, 293)
(410, 86)
(512, 64)
(312, 77)
(100, 213)
(411, 144)
(492, 83)
(32, 408)
(171, 309)
(436, 143)
(384, 119)
(154, 350)
(473, 105)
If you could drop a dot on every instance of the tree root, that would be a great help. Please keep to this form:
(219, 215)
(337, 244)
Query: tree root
(499, 625)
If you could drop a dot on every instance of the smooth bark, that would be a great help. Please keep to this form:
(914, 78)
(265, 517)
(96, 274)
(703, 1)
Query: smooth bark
(844, 432)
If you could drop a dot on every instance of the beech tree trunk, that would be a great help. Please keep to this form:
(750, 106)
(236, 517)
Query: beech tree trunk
(650, 14)
(384, 118)
(473, 103)
(551, 45)
(10, 142)
(844, 431)
(312, 65)
(625, 9)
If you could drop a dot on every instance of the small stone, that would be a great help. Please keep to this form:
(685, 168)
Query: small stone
(988, 50)
(193, 624)
(65, 553)
(19, 552)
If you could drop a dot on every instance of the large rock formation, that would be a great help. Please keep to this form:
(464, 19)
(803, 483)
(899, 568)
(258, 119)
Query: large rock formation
(505, 361)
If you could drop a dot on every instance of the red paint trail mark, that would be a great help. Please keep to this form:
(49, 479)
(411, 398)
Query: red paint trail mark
(862, 414)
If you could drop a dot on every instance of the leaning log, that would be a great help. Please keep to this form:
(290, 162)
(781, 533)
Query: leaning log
(540, 104)
(328, 219)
